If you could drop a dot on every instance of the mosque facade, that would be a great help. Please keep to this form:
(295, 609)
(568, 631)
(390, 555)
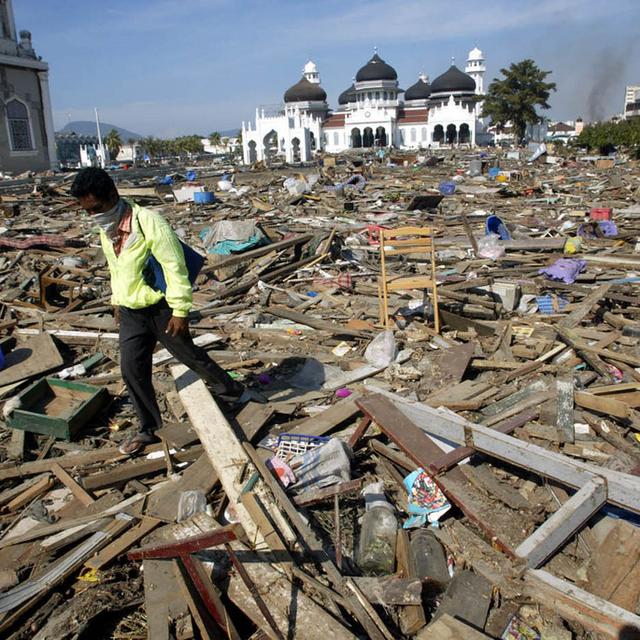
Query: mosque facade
(374, 112)
(27, 139)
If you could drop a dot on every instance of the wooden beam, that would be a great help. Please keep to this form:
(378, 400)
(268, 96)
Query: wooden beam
(583, 308)
(135, 469)
(449, 628)
(559, 527)
(575, 604)
(319, 495)
(224, 450)
(79, 493)
(565, 408)
(122, 544)
(324, 422)
(257, 253)
(315, 323)
(29, 494)
(315, 545)
(624, 490)
(602, 404)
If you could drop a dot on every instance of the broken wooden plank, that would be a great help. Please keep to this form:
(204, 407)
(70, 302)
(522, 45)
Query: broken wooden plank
(253, 416)
(412, 617)
(467, 598)
(565, 397)
(163, 600)
(315, 323)
(314, 496)
(29, 494)
(123, 543)
(134, 469)
(560, 526)
(68, 461)
(482, 477)
(295, 614)
(624, 490)
(602, 404)
(583, 308)
(224, 450)
(79, 493)
(451, 459)
(450, 628)
(329, 419)
(575, 604)
(256, 253)
(33, 356)
(163, 503)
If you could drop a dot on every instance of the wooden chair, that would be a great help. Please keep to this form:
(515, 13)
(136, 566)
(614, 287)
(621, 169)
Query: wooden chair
(406, 241)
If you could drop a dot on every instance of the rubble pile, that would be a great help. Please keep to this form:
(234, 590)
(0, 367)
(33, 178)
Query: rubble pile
(386, 480)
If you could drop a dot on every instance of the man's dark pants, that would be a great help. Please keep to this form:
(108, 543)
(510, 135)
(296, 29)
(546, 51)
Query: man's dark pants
(140, 331)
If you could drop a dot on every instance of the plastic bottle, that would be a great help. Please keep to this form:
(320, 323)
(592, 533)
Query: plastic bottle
(377, 545)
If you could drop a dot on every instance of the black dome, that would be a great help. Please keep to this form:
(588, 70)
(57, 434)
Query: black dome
(305, 91)
(376, 69)
(453, 80)
(421, 90)
(348, 95)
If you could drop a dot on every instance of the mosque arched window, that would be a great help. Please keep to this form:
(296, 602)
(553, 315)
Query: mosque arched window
(19, 126)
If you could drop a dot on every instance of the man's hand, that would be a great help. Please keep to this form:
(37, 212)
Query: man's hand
(178, 327)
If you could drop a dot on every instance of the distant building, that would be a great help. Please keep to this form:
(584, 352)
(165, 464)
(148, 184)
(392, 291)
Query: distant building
(130, 152)
(75, 151)
(631, 102)
(374, 112)
(228, 144)
(27, 141)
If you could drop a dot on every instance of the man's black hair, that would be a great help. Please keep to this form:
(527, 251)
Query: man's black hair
(94, 181)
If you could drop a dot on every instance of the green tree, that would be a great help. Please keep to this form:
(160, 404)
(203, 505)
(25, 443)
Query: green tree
(113, 141)
(214, 139)
(625, 133)
(515, 97)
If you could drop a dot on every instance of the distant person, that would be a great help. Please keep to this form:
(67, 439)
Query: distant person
(129, 234)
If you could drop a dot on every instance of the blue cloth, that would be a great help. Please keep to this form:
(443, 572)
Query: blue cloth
(154, 275)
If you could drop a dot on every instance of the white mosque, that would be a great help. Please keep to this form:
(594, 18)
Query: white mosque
(373, 112)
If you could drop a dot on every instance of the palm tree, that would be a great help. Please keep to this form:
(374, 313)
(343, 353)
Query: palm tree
(113, 141)
(214, 139)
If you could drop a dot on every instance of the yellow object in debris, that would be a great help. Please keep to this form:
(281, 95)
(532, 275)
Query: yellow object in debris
(572, 245)
(89, 575)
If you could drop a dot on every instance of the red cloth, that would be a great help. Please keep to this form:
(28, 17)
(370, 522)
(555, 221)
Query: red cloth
(124, 230)
(44, 240)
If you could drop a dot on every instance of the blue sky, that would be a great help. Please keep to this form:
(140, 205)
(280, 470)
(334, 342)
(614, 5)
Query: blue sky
(173, 67)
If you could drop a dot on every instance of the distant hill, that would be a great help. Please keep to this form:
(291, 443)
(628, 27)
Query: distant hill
(88, 128)
(229, 133)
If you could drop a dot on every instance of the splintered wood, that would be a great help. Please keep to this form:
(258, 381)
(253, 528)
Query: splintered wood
(511, 417)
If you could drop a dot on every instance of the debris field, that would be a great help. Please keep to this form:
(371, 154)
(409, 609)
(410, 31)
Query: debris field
(443, 436)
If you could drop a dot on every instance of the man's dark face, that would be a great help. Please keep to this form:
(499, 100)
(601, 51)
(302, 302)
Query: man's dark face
(93, 205)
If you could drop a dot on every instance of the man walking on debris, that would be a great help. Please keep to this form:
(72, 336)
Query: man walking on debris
(129, 234)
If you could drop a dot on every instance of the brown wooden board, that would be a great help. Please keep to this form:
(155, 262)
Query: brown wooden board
(163, 503)
(32, 356)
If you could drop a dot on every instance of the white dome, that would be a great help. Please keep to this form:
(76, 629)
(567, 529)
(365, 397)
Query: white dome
(475, 54)
(310, 67)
